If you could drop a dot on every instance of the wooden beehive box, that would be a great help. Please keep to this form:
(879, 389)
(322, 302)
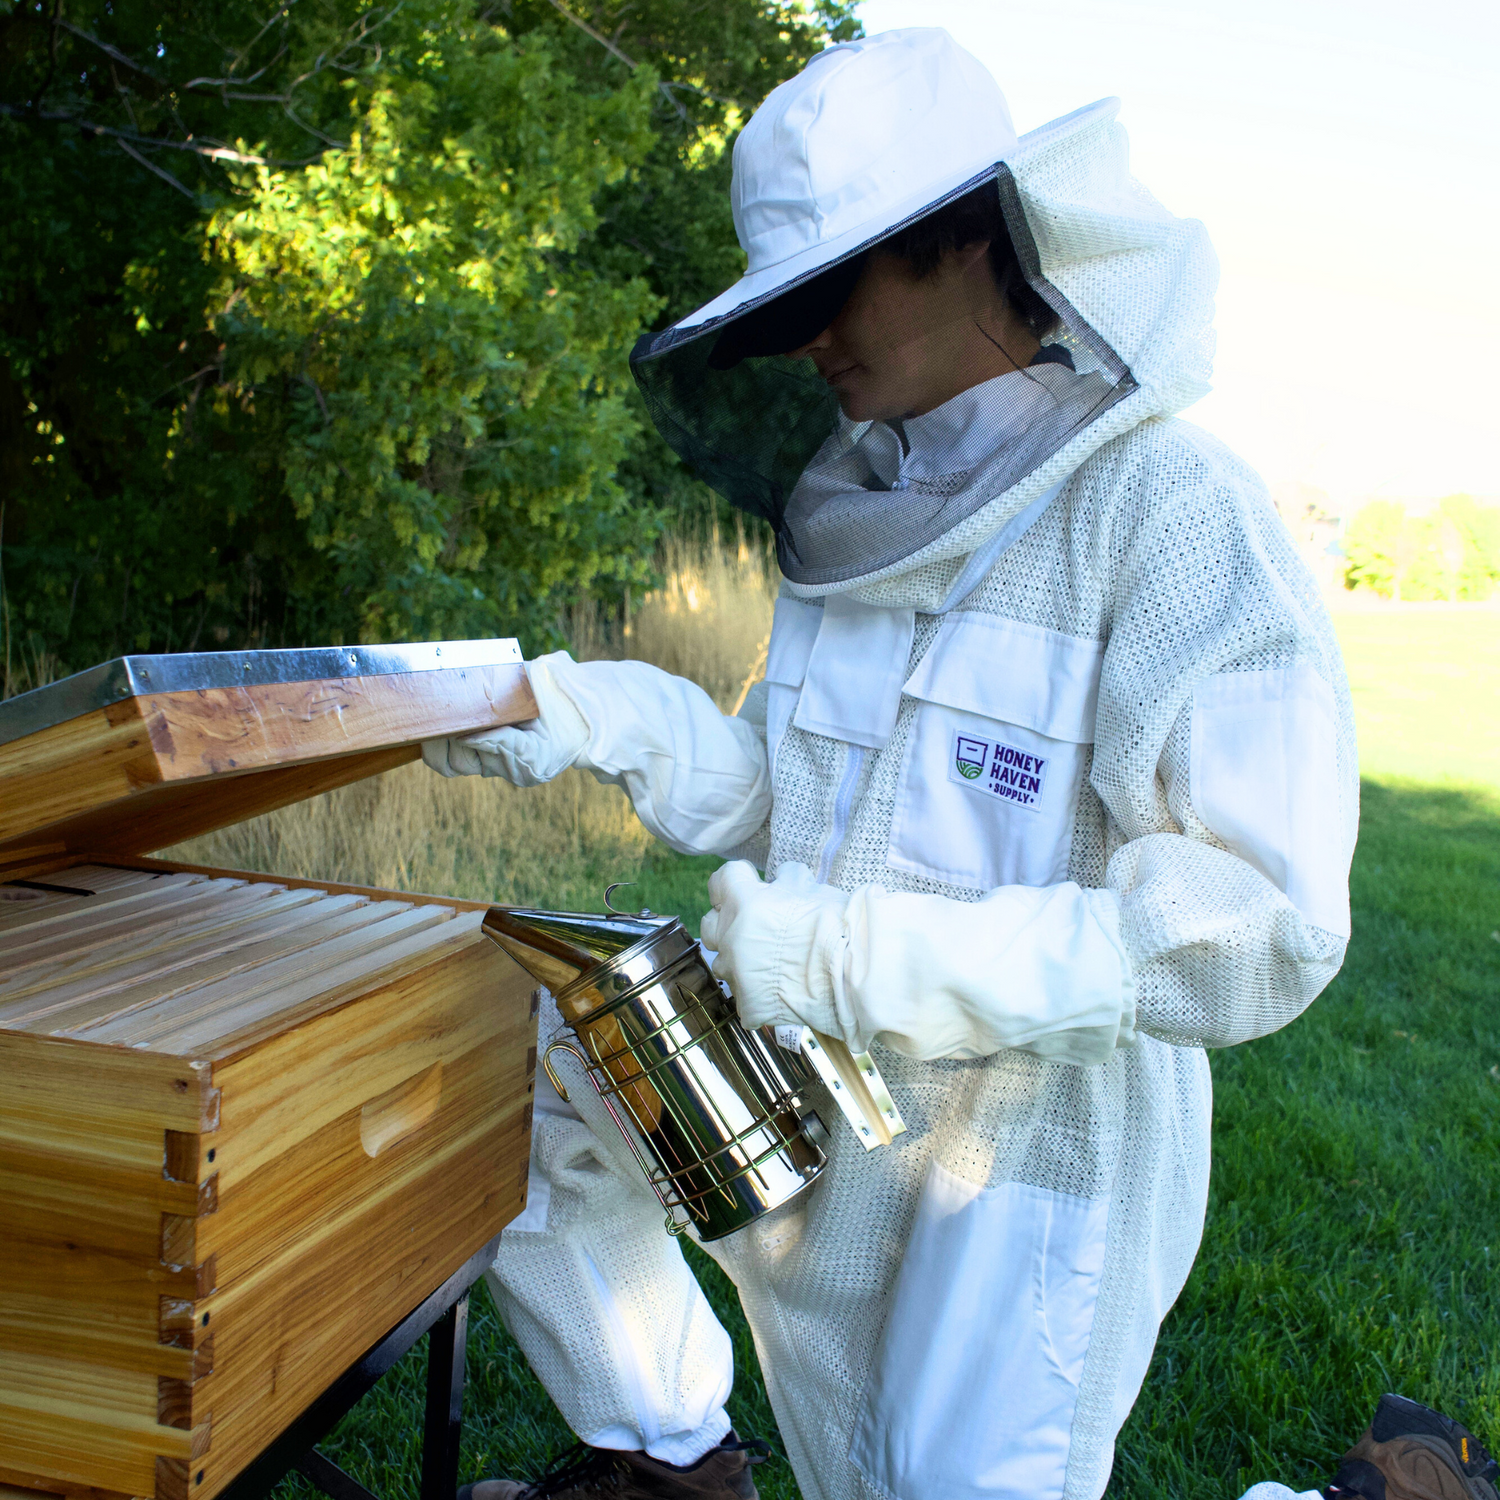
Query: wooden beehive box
(247, 1123)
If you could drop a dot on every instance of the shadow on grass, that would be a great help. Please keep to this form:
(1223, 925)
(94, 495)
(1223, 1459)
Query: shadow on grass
(1353, 1237)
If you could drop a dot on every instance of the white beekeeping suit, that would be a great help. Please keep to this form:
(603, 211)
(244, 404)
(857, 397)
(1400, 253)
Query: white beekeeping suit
(1055, 761)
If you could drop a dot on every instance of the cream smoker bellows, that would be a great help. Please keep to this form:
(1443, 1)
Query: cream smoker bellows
(717, 1115)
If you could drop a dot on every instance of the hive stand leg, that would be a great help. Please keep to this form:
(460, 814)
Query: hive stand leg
(446, 1345)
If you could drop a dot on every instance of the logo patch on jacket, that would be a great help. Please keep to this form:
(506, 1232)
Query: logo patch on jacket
(998, 770)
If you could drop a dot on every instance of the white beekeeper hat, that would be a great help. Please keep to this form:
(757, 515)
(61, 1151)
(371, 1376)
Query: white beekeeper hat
(871, 134)
(872, 137)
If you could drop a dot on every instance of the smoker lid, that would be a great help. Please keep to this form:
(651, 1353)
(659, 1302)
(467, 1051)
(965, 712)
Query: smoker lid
(145, 751)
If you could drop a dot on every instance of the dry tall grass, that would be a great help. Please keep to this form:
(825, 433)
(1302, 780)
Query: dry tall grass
(711, 620)
(22, 665)
(550, 845)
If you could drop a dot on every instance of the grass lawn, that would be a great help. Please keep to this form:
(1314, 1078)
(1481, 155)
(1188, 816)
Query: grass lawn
(1426, 687)
(1353, 1236)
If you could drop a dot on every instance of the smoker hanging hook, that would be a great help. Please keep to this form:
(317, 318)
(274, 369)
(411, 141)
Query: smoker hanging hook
(613, 910)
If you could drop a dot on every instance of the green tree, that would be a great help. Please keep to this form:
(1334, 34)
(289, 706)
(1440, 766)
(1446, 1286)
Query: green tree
(313, 323)
(1478, 530)
(1451, 553)
(1373, 545)
(452, 404)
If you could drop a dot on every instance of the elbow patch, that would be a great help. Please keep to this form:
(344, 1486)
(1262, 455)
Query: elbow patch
(1264, 779)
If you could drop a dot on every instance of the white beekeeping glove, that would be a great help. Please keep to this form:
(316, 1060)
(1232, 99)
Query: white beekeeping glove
(779, 944)
(1038, 968)
(698, 779)
(524, 754)
(1042, 969)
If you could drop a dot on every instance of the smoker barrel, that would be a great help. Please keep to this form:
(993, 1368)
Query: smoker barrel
(714, 1114)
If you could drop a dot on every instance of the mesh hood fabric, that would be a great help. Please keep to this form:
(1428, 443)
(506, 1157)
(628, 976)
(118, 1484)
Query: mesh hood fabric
(858, 500)
(1132, 284)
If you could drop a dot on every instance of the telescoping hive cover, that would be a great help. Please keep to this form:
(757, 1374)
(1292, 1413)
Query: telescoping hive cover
(145, 751)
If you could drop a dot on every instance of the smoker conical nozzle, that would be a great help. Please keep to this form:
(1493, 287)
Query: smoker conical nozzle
(560, 948)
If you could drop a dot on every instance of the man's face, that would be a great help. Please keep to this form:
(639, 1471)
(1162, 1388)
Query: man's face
(904, 344)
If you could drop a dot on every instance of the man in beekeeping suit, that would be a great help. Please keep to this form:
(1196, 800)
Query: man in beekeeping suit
(1052, 780)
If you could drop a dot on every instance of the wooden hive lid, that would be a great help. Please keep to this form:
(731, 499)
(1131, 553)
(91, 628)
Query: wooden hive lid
(145, 751)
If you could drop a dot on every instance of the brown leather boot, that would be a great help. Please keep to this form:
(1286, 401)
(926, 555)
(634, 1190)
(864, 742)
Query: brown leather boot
(1411, 1452)
(583, 1473)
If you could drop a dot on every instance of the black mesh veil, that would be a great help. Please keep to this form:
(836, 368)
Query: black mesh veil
(765, 430)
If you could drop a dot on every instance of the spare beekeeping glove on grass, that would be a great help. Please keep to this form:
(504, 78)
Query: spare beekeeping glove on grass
(1038, 968)
(699, 779)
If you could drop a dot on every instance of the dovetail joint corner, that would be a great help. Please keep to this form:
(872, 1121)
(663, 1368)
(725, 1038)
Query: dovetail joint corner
(180, 1156)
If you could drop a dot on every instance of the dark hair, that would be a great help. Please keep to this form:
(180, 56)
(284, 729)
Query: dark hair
(796, 316)
(975, 216)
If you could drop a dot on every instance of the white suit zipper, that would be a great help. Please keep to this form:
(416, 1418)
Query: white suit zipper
(843, 805)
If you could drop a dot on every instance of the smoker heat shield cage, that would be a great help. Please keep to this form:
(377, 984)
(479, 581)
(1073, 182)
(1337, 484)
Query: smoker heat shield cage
(714, 1114)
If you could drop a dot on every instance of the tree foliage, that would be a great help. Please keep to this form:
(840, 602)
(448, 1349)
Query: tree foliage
(314, 319)
(1452, 552)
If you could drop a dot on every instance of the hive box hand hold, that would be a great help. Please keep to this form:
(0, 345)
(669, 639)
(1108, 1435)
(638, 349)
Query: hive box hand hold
(247, 1122)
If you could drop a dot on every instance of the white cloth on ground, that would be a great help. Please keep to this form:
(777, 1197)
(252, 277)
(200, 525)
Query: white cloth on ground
(1269, 1490)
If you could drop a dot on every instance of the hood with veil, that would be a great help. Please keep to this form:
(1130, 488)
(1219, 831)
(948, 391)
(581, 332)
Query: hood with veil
(870, 138)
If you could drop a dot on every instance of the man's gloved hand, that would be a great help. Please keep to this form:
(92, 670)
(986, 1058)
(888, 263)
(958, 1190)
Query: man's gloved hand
(1038, 968)
(524, 754)
(780, 946)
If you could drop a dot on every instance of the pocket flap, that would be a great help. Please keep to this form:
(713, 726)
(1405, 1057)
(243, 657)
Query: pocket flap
(1021, 674)
(1263, 776)
(794, 628)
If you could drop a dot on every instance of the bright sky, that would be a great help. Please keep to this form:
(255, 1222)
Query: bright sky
(1345, 155)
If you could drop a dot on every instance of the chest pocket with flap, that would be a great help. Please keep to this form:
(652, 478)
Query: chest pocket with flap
(989, 789)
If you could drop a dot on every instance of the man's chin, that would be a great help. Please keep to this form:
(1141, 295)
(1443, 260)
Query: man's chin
(858, 405)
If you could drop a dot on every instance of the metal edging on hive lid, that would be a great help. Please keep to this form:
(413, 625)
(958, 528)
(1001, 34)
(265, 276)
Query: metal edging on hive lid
(195, 671)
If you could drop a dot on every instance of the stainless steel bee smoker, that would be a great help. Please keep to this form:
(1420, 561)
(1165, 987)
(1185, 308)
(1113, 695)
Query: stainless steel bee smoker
(715, 1115)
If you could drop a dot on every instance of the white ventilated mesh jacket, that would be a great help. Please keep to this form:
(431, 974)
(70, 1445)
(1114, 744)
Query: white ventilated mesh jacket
(1165, 548)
